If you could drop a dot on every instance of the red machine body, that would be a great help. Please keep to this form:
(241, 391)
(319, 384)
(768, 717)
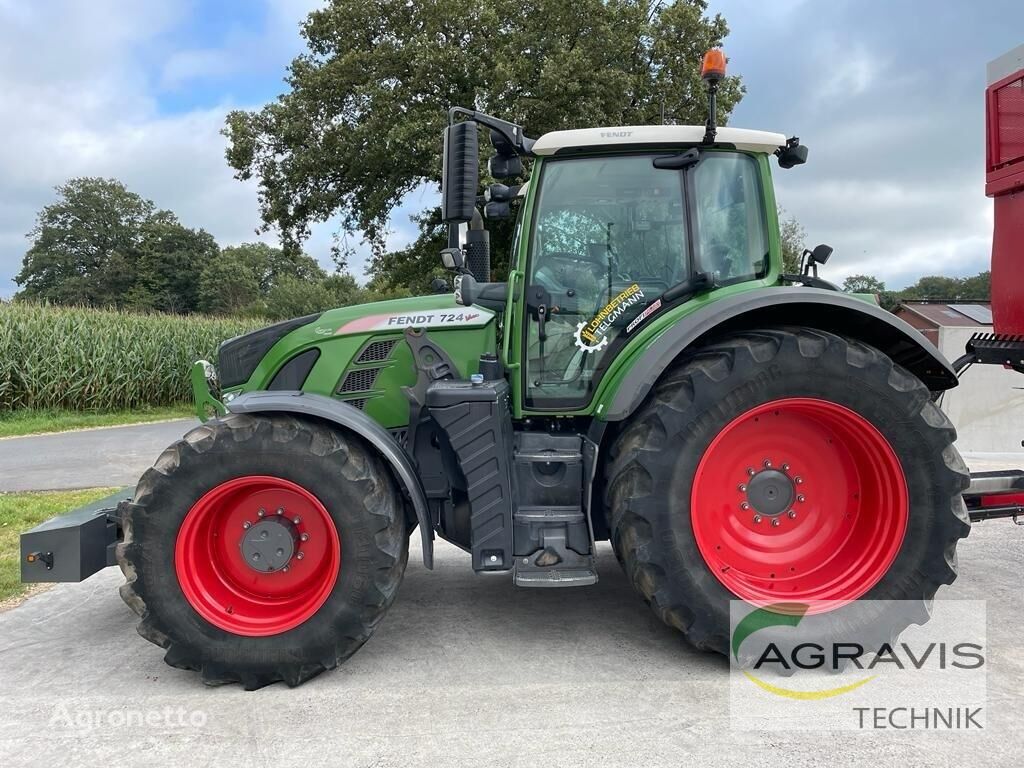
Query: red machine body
(1004, 112)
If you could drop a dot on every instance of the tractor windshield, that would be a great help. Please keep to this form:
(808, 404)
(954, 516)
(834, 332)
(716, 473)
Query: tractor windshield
(610, 235)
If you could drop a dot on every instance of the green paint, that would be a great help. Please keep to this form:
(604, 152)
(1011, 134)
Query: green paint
(340, 343)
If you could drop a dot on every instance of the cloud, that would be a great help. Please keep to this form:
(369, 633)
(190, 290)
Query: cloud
(889, 100)
(92, 106)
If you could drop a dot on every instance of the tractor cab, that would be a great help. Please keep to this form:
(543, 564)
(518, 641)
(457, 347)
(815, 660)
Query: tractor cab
(617, 227)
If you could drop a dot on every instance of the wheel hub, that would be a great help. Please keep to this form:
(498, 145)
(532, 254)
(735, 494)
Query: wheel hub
(771, 492)
(270, 545)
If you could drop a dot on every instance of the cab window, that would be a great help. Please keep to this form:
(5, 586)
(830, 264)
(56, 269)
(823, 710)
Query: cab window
(609, 236)
(730, 222)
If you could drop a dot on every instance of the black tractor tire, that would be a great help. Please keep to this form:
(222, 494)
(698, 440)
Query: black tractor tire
(356, 490)
(655, 456)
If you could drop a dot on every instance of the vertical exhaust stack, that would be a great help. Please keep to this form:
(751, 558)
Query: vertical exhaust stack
(478, 249)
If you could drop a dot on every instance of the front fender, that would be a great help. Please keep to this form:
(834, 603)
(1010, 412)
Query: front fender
(348, 417)
(798, 306)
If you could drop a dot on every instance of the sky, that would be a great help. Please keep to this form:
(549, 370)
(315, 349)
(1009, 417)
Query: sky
(887, 95)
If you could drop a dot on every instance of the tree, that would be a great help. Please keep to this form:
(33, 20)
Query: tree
(793, 236)
(977, 287)
(243, 279)
(362, 122)
(269, 264)
(101, 245)
(934, 287)
(226, 287)
(171, 258)
(863, 284)
(84, 245)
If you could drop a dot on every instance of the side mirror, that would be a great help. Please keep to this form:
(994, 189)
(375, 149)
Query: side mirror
(821, 253)
(502, 167)
(460, 172)
(452, 258)
(811, 259)
(794, 153)
(497, 210)
(499, 193)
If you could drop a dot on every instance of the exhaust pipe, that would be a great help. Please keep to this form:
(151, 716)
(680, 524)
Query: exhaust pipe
(478, 249)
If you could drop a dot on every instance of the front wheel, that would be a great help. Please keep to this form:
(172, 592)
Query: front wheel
(263, 548)
(786, 466)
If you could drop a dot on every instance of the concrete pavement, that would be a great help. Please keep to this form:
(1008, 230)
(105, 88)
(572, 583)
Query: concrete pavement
(85, 459)
(464, 670)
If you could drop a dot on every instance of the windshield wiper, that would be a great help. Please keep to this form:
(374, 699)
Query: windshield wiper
(676, 162)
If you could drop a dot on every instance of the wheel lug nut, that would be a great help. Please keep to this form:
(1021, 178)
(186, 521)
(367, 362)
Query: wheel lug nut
(262, 512)
(280, 510)
(775, 522)
(801, 497)
(299, 555)
(785, 467)
(286, 569)
(750, 471)
(742, 488)
(792, 514)
(304, 537)
(798, 480)
(247, 525)
(744, 506)
(296, 519)
(767, 463)
(757, 518)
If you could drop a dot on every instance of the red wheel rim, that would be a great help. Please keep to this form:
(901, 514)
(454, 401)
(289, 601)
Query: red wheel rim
(827, 543)
(219, 582)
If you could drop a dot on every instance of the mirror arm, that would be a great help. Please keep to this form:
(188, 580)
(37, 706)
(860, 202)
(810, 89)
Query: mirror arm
(511, 132)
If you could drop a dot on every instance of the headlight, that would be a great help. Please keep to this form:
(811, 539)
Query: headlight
(237, 358)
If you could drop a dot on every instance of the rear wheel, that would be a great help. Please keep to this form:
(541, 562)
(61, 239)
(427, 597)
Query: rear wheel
(261, 549)
(786, 466)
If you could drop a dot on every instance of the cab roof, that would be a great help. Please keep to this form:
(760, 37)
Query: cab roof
(661, 135)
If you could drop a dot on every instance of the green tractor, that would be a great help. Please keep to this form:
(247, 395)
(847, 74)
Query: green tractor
(644, 374)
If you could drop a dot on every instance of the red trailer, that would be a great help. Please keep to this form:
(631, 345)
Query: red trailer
(1001, 494)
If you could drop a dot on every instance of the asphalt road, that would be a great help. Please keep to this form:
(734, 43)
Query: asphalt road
(85, 459)
(464, 670)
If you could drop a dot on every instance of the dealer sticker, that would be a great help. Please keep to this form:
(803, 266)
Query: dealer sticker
(593, 334)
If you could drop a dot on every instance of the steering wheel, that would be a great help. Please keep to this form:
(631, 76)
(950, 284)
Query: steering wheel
(561, 270)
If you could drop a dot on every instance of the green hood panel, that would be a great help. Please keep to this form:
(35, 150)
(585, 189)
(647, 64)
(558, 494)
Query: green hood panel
(373, 380)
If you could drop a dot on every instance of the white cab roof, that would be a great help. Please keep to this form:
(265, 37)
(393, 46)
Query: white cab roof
(741, 138)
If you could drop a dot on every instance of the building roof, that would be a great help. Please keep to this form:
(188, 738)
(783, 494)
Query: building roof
(661, 135)
(951, 315)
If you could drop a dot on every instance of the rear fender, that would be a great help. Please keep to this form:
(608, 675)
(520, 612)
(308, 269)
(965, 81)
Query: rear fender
(800, 306)
(354, 420)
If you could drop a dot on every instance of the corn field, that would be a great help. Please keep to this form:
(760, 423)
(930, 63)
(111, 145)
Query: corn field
(100, 360)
